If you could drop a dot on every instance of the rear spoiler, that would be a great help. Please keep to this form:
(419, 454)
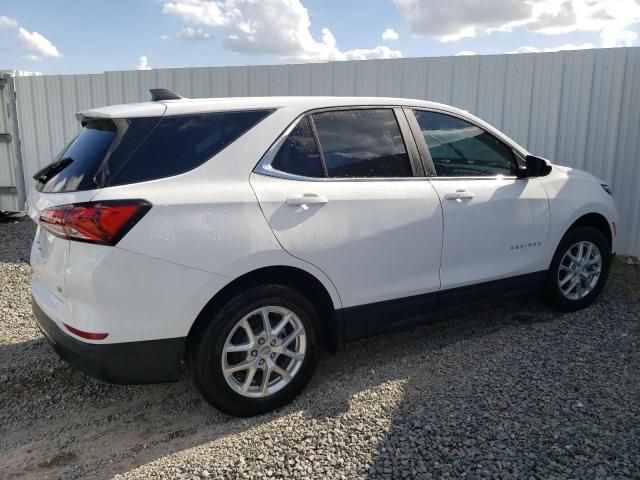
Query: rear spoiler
(147, 109)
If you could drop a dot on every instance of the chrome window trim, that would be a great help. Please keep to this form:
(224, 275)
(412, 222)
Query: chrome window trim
(494, 177)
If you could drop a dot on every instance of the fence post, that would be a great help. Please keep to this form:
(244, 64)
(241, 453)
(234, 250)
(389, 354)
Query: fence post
(8, 82)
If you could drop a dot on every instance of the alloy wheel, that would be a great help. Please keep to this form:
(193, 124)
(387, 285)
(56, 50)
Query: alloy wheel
(264, 351)
(579, 270)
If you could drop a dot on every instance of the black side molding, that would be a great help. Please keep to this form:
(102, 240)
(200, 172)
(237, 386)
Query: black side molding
(488, 291)
(400, 313)
(160, 94)
(380, 317)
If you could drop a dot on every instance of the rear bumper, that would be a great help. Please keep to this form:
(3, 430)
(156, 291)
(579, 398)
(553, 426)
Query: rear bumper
(150, 361)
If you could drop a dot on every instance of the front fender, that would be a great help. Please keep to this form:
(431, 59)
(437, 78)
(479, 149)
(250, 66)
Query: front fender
(570, 198)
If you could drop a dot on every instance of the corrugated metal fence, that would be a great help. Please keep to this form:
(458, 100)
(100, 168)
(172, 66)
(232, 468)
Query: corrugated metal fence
(579, 108)
(8, 190)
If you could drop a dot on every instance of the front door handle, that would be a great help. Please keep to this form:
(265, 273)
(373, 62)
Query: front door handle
(459, 194)
(306, 200)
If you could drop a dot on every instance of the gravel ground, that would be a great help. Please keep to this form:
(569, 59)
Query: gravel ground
(512, 390)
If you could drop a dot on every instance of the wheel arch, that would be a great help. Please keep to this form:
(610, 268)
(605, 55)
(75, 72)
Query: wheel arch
(330, 322)
(597, 221)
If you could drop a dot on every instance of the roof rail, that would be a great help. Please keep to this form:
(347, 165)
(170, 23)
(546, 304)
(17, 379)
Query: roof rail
(160, 94)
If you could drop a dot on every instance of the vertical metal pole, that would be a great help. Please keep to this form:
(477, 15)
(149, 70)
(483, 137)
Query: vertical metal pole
(14, 129)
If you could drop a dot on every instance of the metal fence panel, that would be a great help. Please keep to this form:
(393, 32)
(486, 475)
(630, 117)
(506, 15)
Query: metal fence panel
(8, 199)
(580, 108)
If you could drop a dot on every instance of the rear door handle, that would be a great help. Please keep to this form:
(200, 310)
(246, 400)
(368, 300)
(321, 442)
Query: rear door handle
(459, 194)
(305, 200)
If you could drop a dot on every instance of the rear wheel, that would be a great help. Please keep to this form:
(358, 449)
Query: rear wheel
(579, 269)
(258, 351)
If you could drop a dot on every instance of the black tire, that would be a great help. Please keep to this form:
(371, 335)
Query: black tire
(552, 291)
(206, 358)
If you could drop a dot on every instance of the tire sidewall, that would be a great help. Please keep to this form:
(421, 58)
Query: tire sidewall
(571, 238)
(208, 366)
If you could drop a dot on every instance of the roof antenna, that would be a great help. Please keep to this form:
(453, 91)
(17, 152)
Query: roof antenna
(160, 94)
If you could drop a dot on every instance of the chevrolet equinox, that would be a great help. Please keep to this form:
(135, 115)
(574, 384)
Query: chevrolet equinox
(240, 236)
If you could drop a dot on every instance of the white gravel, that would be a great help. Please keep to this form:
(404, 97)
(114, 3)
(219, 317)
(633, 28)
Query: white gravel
(512, 390)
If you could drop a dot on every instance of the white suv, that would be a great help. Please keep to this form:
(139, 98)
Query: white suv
(242, 235)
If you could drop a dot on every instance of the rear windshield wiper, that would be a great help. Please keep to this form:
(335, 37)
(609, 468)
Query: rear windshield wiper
(51, 170)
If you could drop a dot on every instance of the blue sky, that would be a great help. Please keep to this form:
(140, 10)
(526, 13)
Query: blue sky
(73, 36)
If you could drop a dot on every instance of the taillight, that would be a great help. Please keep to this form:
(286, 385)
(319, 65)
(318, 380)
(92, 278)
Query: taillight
(103, 222)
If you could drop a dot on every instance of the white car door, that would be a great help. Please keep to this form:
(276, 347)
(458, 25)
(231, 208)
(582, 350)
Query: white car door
(495, 224)
(340, 191)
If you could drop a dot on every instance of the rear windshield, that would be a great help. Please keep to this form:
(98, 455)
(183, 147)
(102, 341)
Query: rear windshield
(80, 159)
(122, 151)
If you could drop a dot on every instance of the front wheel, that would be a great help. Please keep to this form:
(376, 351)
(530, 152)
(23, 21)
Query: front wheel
(579, 269)
(258, 351)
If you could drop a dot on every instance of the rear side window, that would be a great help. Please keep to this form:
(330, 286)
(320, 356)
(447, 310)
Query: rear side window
(122, 151)
(181, 143)
(299, 154)
(362, 143)
(460, 149)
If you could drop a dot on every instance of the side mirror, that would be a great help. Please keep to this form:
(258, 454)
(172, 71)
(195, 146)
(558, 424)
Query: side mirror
(535, 167)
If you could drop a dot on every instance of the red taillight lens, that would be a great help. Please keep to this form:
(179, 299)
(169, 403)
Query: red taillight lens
(103, 222)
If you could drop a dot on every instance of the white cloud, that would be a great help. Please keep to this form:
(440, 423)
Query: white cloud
(196, 11)
(570, 46)
(610, 18)
(526, 49)
(37, 44)
(371, 53)
(143, 63)
(390, 34)
(465, 53)
(553, 17)
(566, 46)
(193, 34)
(269, 27)
(618, 37)
(6, 22)
(456, 19)
(32, 57)
(453, 19)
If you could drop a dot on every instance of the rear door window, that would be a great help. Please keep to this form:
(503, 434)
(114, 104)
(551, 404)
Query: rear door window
(299, 154)
(362, 143)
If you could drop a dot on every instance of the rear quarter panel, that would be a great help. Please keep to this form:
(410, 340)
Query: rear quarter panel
(134, 297)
